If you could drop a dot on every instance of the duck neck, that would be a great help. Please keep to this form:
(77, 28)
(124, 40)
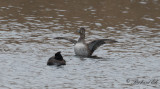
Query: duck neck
(81, 38)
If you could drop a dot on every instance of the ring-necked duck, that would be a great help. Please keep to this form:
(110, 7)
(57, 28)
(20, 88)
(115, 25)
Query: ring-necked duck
(56, 60)
(81, 48)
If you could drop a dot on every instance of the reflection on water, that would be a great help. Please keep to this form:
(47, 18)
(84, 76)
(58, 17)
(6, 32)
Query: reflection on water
(27, 29)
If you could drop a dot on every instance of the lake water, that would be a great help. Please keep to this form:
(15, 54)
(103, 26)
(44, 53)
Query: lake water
(27, 29)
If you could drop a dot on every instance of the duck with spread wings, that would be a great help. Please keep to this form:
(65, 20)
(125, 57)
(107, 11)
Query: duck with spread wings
(81, 48)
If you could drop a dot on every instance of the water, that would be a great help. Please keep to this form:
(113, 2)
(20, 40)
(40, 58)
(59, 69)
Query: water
(27, 29)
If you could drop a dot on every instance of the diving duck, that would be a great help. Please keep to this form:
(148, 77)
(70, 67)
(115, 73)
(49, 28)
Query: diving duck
(81, 48)
(56, 60)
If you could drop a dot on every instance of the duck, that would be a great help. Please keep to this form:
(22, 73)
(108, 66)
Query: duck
(56, 60)
(81, 48)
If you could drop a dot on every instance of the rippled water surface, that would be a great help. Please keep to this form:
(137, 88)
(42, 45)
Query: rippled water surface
(27, 29)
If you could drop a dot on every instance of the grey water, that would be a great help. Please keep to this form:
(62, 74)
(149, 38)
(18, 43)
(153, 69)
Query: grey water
(28, 28)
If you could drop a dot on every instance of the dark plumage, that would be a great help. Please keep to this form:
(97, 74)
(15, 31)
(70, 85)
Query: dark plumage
(81, 48)
(56, 60)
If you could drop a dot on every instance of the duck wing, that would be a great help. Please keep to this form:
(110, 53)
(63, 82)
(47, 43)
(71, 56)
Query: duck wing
(97, 43)
(71, 40)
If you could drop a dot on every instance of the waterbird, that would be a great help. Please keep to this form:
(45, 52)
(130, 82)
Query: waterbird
(81, 48)
(56, 60)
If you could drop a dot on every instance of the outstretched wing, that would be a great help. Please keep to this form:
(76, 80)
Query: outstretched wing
(97, 43)
(71, 40)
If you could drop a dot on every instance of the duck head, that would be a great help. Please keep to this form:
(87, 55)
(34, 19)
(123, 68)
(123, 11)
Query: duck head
(58, 56)
(81, 30)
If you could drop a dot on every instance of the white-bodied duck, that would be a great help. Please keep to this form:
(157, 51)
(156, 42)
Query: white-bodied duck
(81, 48)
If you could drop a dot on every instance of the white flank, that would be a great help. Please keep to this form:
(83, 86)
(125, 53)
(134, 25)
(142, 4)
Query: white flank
(80, 49)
